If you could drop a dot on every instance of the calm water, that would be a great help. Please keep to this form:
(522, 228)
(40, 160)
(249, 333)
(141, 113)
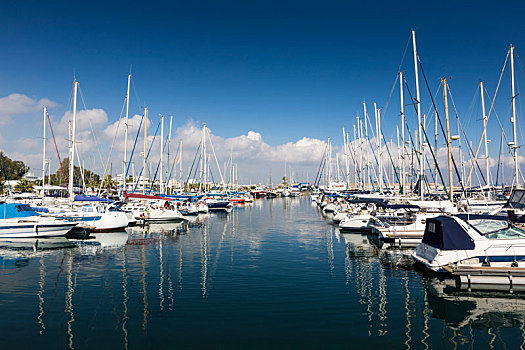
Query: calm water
(274, 274)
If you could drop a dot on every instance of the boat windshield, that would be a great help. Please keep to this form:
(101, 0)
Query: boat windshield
(485, 226)
(512, 232)
(497, 229)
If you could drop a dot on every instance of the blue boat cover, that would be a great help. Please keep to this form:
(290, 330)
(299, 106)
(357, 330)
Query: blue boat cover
(443, 232)
(16, 210)
(79, 198)
(40, 209)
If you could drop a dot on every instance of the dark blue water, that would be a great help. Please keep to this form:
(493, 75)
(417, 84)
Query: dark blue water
(274, 274)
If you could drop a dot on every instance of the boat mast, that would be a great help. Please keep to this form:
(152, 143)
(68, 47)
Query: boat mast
(354, 159)
(169, 146)
(180, 163)
(420, 131)
(345, 145)
(204, 160)
(444, 81)
(126, 135)
(161, 186)
(366, 140)
(44, 156)
(403, 169)
(485, 120)
(361, 165)
(378, 141)
(399, 160)
(144, 154)
(72, 148)
(435, 150)
(513, 119)
(329, 173)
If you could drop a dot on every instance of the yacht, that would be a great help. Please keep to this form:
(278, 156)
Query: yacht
(153, 212)
(409, 233)
(474, 240)
(20, 221)
(99, 217)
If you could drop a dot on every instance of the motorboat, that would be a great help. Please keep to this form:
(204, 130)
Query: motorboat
(410, 233)
(187, 208)
(100, 217)
(218, 204)
(475, 240)
(359, 222)
(153, 212)
(20, 221)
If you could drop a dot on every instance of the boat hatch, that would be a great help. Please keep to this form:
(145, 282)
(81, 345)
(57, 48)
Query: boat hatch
(446, 233)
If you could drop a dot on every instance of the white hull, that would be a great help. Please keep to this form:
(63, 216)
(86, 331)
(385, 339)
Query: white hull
(17, 229)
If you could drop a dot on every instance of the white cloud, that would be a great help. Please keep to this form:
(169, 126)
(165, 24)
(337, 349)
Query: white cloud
(16, 104)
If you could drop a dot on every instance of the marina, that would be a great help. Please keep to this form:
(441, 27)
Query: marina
(262, 175)
(275, 273)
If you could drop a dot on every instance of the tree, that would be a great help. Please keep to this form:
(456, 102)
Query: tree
(16, 169)
(23, 186)
(93, 184)
(90, 177)
(284, 180)
(109, 183)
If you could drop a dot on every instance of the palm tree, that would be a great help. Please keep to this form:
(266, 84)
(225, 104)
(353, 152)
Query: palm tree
(24, 186)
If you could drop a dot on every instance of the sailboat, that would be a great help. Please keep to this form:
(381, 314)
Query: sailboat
(102, 216)
(20, 221)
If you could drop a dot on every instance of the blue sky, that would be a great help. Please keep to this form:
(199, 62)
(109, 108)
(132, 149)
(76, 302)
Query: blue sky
(286, 70)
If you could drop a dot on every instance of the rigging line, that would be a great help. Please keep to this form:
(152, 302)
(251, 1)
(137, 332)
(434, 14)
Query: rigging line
(470, 110)
(216, 161)
(520, 62)
(443, 131)
(191, 168)
(322, 159)
(111, 149)
(466, 139)
(135, 91)
(154, 178)
(58, 154)
(509, 150)
(372, 149)
(488, 115)
(390, 96)
(321, 170)
(175, 160)
(158, 163)
(91, 126)
(150, 146)
(430, 109)
(397, 77)
(354, 158)
(392, 162)
(499, 159)
(426, 138)
(133, 150)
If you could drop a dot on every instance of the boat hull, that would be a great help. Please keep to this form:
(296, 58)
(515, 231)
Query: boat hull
(32, 230)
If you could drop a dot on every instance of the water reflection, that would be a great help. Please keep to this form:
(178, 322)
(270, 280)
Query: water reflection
(467, 318)
(271, 278)
(17, 252)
